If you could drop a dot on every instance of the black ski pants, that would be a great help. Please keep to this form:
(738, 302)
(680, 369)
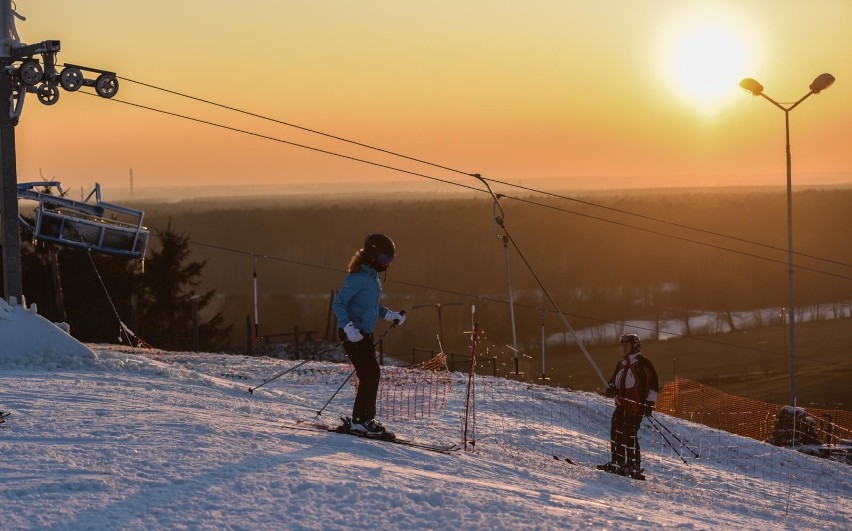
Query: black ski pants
(363, 357)
(624, 444)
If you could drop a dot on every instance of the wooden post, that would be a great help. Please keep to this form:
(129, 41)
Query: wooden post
(296, 341)
(194, 300)
(328, 318)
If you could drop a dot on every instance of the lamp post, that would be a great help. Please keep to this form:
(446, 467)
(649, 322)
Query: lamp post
(819, 84)
(440, 307)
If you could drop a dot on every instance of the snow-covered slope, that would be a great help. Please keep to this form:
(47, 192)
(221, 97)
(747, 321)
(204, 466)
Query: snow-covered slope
(126, 438)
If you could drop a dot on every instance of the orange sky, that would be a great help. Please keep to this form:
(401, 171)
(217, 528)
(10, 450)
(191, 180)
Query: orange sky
(623, 93)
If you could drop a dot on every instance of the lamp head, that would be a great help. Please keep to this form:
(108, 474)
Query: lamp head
(750, 85)
(822, 82)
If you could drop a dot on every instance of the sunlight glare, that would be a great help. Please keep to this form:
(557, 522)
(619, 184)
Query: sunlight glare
(705, 61)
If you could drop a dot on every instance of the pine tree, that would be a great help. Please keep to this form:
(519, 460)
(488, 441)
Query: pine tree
(169, 299)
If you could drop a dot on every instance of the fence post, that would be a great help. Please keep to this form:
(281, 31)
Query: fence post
(677, 396)
(470, 401)
(296, 342)
(328, 326)
(248, 336)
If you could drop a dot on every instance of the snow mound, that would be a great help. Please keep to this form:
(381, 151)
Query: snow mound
(28, 340)
(31, 342)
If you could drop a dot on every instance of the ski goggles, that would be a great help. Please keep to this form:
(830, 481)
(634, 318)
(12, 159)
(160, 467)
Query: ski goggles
(384, 260)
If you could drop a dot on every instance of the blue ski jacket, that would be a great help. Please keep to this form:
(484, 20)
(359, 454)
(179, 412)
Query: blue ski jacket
(358, 300)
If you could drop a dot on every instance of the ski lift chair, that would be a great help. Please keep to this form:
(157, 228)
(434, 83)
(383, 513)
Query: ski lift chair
(96, 226)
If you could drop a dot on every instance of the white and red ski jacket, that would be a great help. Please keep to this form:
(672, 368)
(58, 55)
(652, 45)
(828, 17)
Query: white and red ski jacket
(635, 381)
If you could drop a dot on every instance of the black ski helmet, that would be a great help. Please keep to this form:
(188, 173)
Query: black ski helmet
(379, 251)
(633, 339)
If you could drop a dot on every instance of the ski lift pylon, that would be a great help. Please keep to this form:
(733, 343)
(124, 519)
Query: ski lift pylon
(97, 226)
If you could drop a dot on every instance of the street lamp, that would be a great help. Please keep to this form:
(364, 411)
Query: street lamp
(822, 82)
(440, 307)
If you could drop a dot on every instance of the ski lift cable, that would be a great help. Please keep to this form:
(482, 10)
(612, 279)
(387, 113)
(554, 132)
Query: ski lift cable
(445, 181)
(288, 142)
(417, 174)
(501, 301)
(499, 225)
(123, 328)
(288, 124)
(671, 223)
(501, 222)
(206, 122)
(506, 183)
(681, 238)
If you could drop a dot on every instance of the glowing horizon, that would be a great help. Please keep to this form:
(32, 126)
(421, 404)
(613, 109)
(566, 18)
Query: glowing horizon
(644, 94)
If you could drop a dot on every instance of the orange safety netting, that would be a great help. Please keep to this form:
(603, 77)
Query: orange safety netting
(700, 403)
(414, 392)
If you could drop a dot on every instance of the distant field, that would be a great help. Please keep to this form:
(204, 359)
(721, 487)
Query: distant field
(757, 369)
(599, 261)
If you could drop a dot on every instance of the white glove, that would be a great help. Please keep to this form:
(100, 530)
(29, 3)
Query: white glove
(395, 316)
(352, 333)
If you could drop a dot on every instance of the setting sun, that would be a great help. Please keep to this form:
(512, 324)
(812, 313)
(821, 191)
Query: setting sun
(704, 59)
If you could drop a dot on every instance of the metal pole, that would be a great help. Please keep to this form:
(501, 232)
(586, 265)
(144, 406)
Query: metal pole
(441, 320)
(511, 296)
(543, 357)
(791, 296)
(440, 328)
(254, 292)
(9, 238)
(12, 276)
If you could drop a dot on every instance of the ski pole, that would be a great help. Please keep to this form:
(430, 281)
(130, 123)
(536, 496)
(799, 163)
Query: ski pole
(395, 322)
(333, 395)
(673, 434)
(293, 368)
(653, 425)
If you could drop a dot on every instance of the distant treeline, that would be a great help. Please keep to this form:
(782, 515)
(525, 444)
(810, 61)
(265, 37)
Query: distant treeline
(599, 263)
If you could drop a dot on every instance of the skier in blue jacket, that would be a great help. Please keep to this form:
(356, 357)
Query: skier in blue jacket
(357, 309)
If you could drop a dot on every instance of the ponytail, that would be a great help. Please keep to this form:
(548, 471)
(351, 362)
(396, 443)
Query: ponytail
(356, 261)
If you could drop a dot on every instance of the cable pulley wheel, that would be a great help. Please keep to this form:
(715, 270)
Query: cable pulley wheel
(31, 73)
(106, 85)
(48, 94)
(71, 78)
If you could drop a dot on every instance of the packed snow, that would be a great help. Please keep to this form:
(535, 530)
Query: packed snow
(113, 437)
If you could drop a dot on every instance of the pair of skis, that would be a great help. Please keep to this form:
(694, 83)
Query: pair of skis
(3, 416)
(638, 475)
(382, 437)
